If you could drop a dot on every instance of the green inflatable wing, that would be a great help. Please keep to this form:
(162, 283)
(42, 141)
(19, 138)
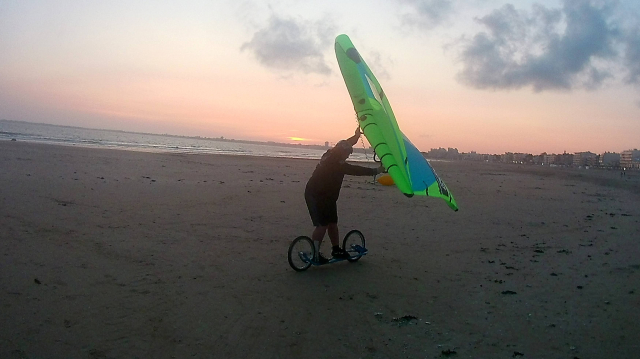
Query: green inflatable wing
(411, 172)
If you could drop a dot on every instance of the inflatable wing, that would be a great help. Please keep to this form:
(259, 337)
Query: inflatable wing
(411, 172)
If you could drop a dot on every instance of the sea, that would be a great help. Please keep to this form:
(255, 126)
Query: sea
(147, 142)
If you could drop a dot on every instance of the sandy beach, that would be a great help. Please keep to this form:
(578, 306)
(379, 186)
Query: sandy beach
(117, 254)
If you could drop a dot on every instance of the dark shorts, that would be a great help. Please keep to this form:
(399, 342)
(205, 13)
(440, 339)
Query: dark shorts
(322, 211)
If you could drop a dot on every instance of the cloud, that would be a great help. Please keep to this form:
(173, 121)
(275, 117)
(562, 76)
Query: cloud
(426, 14)
(292, 46)
(377, 64)
(547, 49)
(632, 56)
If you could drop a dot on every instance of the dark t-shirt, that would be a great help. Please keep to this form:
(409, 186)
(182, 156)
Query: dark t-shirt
(326, 180)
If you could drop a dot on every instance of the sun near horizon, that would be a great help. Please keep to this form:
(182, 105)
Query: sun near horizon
(298, 139)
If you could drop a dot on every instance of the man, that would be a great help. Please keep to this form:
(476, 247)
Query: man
(323, 189)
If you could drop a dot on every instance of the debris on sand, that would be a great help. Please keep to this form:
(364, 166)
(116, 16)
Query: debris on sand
(449, 352)
(405, 319)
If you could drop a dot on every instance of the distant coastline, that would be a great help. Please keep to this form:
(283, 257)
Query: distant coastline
(154, 142)
(629, 159)
(217, 139)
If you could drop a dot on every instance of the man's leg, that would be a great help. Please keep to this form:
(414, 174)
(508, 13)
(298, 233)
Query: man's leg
(337, 251)
(318, 233)
(334, 235)
(317, 236)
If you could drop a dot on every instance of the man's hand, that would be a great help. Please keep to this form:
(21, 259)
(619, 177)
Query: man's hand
(357, 133)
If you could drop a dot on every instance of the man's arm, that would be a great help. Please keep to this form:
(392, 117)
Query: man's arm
(355, 170)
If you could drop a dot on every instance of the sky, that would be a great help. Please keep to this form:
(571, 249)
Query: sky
(477, 75)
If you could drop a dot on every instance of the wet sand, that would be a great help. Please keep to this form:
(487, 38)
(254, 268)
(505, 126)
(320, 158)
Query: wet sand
(116, 254)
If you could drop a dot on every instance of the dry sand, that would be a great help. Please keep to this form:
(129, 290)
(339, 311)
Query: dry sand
(115, 254)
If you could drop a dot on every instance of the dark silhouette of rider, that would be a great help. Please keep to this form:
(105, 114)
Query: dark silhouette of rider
(323, 189)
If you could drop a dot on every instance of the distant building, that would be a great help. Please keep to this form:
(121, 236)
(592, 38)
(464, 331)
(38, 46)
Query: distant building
(630, 159)
(565, 159)
(326, 144)
(549, 159)
(520, 157)
(539, 159)
(472, 156)
(441, 153)
(609, 159)
(584, 159)
(507, 157)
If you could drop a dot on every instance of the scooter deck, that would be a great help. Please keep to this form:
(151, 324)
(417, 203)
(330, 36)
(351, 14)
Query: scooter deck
(356, 252)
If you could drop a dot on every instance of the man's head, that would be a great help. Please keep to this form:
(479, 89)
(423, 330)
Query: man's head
(343, 149)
